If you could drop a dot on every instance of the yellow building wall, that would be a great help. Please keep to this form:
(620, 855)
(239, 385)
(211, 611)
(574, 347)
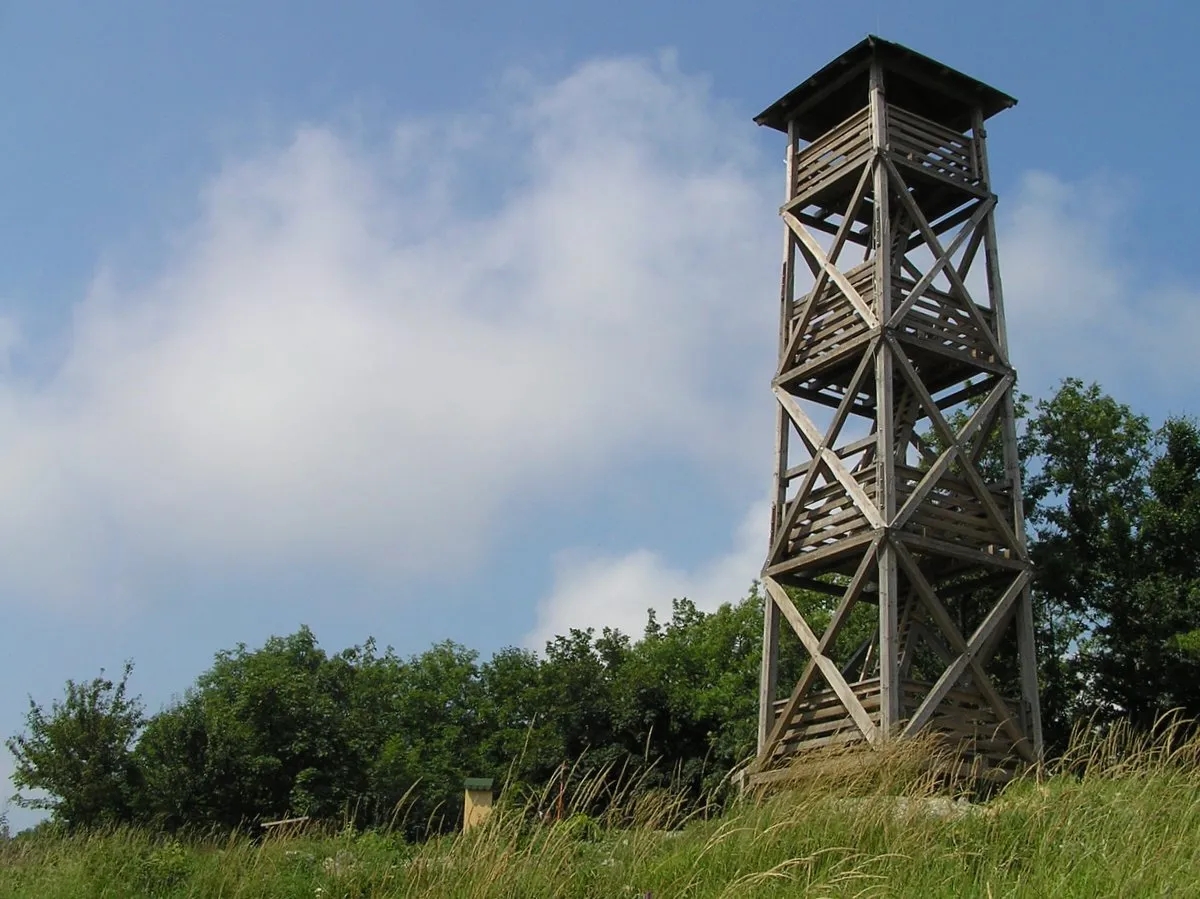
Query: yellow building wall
(477, 805)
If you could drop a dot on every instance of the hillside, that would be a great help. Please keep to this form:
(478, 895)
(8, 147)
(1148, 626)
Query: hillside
(1125, 823)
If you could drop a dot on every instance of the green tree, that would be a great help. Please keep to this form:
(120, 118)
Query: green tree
(284, 729)
(1139, 655)
(686, 698)
(432, 740)
(1116, 514)
(519, 742)
(78, 753)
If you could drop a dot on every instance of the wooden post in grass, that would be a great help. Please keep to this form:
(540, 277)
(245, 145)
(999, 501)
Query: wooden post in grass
(897, 482)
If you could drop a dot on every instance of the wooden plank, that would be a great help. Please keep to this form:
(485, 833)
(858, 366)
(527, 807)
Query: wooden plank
(783, 535)
(827, 715)
(935, 174)
(807, 369)
(962, 359)
(942, 547)
(939, 468)
(823, 704)
(936, 131)
(855, 237)
(819, 559)
(845, 738)
(853, 127)
(963, 697)
(840, 170)
(919, 150)
(849, 449)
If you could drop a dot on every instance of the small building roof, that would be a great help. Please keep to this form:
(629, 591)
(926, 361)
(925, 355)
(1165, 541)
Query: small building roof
(912, 81)
(477, 783)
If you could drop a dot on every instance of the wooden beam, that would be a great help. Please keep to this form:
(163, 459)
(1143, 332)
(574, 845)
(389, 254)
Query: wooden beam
(1026, 647)
(885, 448)
(769, 673)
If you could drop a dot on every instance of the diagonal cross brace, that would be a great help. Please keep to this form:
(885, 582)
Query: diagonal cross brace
(944, 257)
(811, 436)
(835, 251)
(828, 667)
(831, 435)
(853, 590)
(946, 626)
(951, 272)
(978, 487)
(992, 624)
(814, 251)
(957, 448)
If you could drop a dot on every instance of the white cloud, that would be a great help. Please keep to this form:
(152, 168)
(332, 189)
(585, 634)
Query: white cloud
(1076, 304)
(363, 356)
(373, 357)
(616, 592)
(1074, 308)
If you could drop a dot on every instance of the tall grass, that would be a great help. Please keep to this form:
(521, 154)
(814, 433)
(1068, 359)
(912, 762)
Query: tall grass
(1118, 816)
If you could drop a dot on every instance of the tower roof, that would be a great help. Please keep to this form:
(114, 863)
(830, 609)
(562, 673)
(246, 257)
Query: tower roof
(913, 81)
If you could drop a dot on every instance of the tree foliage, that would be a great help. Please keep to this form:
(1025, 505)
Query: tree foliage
(77, 754)
(1115, 510)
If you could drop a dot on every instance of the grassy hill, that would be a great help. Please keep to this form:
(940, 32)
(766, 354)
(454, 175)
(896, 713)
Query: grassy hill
(1118, 817)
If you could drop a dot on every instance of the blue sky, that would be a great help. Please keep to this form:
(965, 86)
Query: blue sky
(454, 320)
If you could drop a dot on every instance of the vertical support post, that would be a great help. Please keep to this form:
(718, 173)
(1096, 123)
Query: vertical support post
(769, 674)
(1026, 644)
(885, 452)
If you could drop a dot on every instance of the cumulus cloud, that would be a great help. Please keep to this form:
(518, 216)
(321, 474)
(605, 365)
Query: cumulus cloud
(1078, 307)
(599, 591)
(371, 355)
(374, 356)
(1074, 308)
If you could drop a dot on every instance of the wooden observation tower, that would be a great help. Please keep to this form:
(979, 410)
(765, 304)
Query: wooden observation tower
(898, 490)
